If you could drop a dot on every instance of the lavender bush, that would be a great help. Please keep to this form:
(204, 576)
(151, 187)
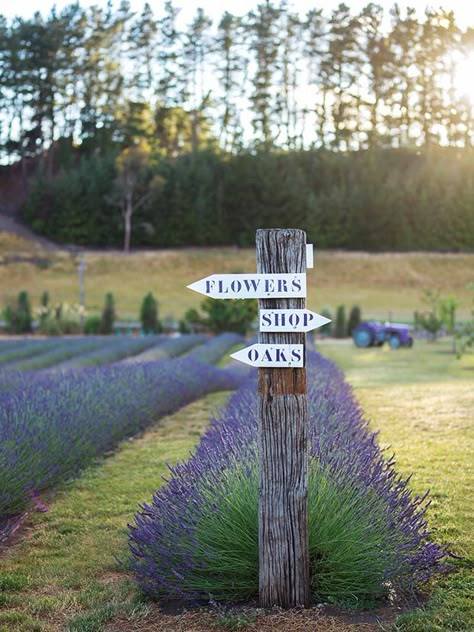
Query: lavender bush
(13, 350)
(64, 348)
(216, 347)
(116, 349)
(198, 538)
(58, 422)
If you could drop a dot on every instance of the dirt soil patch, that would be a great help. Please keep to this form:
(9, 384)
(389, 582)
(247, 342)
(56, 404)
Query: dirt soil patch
(321, 618)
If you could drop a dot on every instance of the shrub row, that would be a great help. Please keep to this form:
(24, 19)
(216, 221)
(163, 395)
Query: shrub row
(57, 423)
(13, 350)
(216, 347)
(116, 349)
(386, 199)
(64, 349)
(198, 537)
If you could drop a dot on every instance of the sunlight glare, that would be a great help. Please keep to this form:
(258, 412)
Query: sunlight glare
(465, 77)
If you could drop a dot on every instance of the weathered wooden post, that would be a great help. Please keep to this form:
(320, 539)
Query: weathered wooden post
(283, 442)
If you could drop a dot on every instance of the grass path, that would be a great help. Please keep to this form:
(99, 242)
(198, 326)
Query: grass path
(429, 424)
(64, 571)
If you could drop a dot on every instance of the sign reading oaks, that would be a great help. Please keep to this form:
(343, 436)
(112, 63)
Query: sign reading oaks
(273, 355)
(252, 286)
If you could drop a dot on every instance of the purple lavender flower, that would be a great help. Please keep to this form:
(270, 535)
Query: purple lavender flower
(170, 555)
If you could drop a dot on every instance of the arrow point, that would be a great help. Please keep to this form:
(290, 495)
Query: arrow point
(196, 286)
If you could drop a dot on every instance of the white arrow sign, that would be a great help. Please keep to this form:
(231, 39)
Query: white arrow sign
(271, 355)
(290, 320)
(252, 285)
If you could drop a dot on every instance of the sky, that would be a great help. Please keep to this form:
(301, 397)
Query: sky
(464, 9)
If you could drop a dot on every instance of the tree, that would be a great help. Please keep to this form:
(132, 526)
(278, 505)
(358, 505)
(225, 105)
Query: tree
(195, 51)
(465, 336)
(18, 317)
(264, 38)
(231, 68)
(342, 64)
(108, 315)
(133, 184)
(149, 315)
(354, 319)
(223, 315)
(430, 319)
(377, 65)
(314, 47)
(340, 326)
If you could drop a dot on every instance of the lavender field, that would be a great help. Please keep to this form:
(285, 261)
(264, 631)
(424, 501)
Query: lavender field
(55, 421)
(184, 523)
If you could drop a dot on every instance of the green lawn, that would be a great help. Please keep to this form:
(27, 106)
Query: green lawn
(383, 285)
(422, 402)
(63, 575)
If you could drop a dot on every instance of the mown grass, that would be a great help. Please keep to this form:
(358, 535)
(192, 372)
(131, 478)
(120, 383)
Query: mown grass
(383, 285)
(63, 575)
(64, 572)
(428, 424)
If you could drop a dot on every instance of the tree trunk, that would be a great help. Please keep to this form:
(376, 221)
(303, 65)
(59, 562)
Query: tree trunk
(283, 443)
(127, 218)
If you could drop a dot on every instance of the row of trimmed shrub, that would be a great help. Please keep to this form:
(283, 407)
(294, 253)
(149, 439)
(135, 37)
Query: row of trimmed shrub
(56, 321)
(57, 423)
(198, 537)
(115, 350)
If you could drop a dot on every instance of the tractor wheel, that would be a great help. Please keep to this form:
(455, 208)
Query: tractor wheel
(363, 338)
(410, 342)
(394, 341)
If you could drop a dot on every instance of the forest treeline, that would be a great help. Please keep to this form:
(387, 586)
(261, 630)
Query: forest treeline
(387, 199)
(145, 131)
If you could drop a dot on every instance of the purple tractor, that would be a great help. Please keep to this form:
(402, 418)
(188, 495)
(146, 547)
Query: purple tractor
(374, 334)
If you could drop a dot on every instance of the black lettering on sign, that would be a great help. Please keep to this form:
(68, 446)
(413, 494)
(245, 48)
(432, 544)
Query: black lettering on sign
(282, 285)
(221, 288)
(251, 284)
(269, 285)
(267, 356)
(294, 320)
(209, 285)
(280, 355)
(296, 283)
(253, 355)
(266, 319)
(295, 355)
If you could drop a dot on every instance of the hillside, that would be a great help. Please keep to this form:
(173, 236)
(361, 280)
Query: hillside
(383, 284)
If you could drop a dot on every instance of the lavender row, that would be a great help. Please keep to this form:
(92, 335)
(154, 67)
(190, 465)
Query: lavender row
(173, 555)
(116, 349)
(64, 349)
(59, 422)
(215, 348)
(19, 349)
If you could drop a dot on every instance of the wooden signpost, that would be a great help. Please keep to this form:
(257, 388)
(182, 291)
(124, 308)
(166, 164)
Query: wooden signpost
(280, 285)
(283, 442)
